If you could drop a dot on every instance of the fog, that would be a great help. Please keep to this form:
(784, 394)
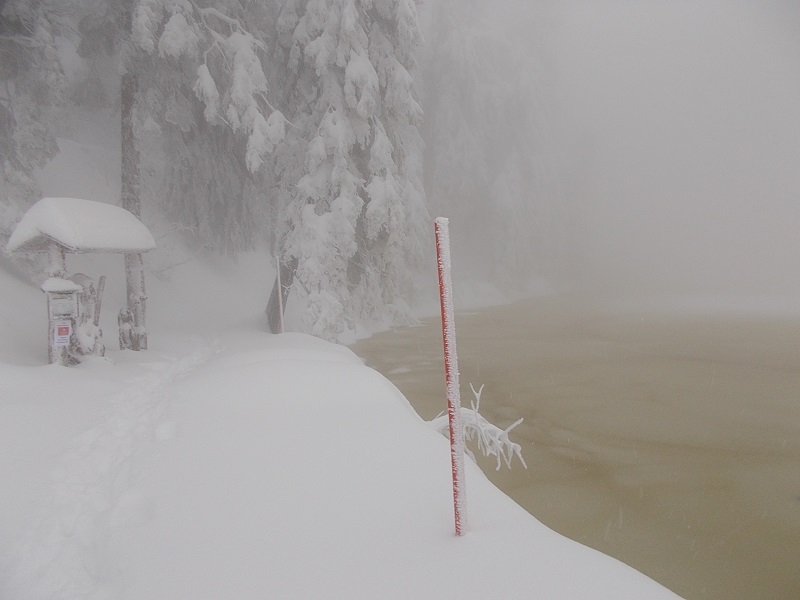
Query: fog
(674, 137)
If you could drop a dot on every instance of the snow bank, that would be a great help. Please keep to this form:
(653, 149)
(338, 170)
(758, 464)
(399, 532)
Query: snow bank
(229, 463)
(255, 466)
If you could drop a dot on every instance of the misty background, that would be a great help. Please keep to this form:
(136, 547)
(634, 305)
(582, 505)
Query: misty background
(625, 147)
(681, 143)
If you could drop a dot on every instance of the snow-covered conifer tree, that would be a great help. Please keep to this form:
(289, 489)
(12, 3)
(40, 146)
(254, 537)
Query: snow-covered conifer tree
(205, 103)
(196, 121)
(349, 172)
(31, 80)
(200, 114)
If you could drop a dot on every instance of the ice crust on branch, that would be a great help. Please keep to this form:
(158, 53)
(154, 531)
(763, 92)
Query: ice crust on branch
(491, 440)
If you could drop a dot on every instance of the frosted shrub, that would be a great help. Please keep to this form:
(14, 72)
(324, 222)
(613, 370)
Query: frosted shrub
(491, 440)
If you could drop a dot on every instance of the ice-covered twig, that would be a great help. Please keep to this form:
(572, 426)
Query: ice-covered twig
(491, 440)
(477, 393)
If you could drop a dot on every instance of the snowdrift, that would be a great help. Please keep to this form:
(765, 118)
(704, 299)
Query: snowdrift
(247, 465)
(230, 463)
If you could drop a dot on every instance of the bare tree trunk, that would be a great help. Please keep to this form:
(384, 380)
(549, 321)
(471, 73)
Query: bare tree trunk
(134, 263)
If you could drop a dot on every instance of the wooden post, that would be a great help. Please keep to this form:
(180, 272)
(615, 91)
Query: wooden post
(451, 373)
(134, 271)
(131, 201)
(101, 286)
(60, 310)
(280, 287)
(280, 294)
(58, 260)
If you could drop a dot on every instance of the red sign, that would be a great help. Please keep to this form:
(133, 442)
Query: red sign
(62, 330)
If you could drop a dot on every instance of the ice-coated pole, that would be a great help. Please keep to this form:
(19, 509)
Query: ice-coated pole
(451, 372)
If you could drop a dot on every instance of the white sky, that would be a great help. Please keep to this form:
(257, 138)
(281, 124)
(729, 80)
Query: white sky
(679, 124)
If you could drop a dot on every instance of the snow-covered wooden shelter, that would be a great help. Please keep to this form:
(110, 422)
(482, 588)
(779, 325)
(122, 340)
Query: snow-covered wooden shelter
(59, 226)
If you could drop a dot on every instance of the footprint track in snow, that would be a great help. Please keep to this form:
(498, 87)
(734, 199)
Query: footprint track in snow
(93, 486)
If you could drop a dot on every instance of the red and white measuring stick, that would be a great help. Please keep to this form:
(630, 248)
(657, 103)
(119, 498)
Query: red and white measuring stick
(451, 372)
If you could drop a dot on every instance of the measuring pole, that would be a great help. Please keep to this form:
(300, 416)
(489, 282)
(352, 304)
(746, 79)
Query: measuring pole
(451, 372)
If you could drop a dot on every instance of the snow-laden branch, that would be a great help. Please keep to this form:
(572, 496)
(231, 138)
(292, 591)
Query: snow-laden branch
(491, 440)
(213, 12)
(28, 42)
(232, 90)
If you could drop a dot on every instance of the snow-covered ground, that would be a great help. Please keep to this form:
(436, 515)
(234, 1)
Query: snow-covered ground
(225, 462)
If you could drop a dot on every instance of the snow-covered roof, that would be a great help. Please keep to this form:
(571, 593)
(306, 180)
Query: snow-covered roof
(58, 284)
(80, 226)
